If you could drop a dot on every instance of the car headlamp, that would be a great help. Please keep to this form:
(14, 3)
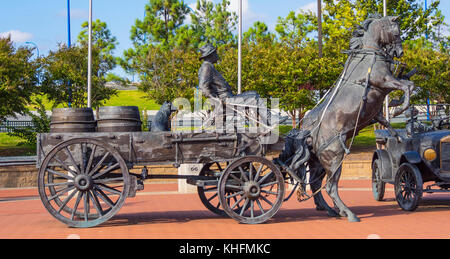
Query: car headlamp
(430, 154)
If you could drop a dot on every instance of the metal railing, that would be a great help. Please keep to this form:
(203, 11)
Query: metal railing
(18, 160)
(8, 126)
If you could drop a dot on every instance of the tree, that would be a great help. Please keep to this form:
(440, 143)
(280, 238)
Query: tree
(64, 75)
(18, 78)
(102, 39)
(40, 122)
(153, 39)
(433, 77)
(414, 20)
(162, 20)
(169, 74)
(213, 23)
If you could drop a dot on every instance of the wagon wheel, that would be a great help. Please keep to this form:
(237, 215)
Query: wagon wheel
(378, 186)
(408, 186)
(83, 182)
(208, 194)
(258, 186)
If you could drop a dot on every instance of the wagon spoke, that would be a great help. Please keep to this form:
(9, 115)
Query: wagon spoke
(243, 174)
(91, 158)
(234, 194)
(83, 157)
(58, 184)
(104, 197)
(266, 200)
(252, 205)
(109, 169)
(269, 192)
(64, 165)
(61, 192)
(97, 167)
(75, 207)
(109, 189)
(268, 184)
(258, 172)
(212, 197)
(96, 204)
(265, 177)
(244, 207)
(237, 179)
(86, 206)
(229, 186)
(260, 206)
(68, 177)
(68, 198)
(237, 202)
(250, 173)
(72, 160)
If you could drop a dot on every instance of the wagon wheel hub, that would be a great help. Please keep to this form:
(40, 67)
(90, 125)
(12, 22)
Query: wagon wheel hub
(252, 190)
(83, 182)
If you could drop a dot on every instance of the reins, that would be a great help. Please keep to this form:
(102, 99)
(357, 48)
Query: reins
(360, 112)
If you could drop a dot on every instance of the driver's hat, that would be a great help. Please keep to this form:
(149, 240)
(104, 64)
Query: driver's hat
(207, 50)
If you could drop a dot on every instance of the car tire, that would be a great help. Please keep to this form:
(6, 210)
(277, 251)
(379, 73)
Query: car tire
(378, 186)
(408, 186)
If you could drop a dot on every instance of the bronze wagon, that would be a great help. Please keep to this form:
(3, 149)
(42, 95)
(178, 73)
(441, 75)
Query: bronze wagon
(84, 177)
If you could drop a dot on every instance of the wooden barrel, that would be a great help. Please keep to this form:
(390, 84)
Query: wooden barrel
(67, 120)
(119, 119)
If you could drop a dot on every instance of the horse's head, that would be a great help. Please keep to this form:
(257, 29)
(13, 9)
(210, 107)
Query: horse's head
(385, 34)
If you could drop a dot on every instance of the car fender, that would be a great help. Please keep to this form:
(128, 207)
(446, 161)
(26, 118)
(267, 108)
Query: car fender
(411, 157)
(386, 164)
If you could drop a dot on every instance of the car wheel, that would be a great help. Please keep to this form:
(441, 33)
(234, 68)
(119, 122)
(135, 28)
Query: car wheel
(378, 186)
(408, 186)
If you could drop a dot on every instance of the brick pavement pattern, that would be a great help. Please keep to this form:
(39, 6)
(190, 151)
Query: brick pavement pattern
(160, 213)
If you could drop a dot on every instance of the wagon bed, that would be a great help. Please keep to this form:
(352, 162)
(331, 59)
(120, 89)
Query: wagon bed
(158, 148)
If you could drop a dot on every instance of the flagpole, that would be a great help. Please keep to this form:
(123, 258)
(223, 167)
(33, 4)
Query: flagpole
(69, 44)
(89, 101)
(240, 49)
(386, 102)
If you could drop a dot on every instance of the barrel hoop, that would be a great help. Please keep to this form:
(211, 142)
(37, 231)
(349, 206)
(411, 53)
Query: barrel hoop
(72, 122)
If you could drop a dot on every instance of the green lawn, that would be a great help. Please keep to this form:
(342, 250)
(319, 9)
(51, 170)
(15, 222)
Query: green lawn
(133, 98)
(123, 98)
(12, 146)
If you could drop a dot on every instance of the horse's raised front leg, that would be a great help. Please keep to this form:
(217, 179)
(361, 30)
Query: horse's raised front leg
(404, 85)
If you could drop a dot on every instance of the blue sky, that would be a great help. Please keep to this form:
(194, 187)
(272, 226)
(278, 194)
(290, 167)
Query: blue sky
(44, 22)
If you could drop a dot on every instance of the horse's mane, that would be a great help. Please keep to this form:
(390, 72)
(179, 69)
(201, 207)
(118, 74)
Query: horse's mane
(358, 33)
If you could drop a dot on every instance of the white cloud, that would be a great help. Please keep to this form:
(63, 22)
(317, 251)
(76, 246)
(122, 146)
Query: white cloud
(311, 7)
(17, 36)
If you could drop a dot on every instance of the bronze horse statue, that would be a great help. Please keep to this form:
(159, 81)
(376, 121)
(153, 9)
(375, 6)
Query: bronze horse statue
(354, 103)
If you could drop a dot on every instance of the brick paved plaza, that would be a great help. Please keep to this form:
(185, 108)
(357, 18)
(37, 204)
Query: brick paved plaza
(159, 212)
